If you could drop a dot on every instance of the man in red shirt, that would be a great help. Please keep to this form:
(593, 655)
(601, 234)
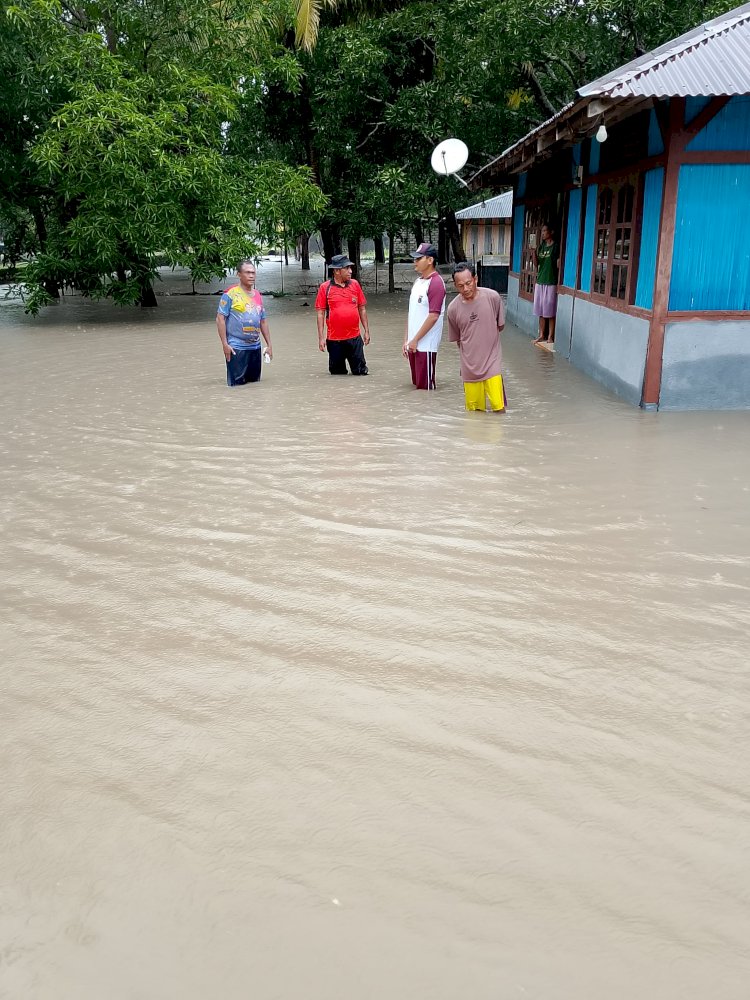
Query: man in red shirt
(341, 306)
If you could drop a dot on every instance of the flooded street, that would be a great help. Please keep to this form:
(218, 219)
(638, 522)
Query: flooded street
(324, 689)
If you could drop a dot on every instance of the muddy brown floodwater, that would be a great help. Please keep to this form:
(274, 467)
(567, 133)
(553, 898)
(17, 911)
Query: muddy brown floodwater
(327, 690)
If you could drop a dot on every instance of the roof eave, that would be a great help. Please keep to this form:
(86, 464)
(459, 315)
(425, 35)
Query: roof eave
(574, 124)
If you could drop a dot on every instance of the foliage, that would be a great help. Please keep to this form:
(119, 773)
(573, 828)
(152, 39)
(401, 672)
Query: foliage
(116, 146)
(384, 82)
(133, 132)
(139, 170)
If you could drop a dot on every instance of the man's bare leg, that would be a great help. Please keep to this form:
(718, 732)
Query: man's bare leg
(541, 338)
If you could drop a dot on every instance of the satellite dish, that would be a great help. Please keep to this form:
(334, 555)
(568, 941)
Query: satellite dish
(449, 156)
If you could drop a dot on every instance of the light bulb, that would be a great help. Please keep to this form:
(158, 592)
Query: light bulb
(601, 133)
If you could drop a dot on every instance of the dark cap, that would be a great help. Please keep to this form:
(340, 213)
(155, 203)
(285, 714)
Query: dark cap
(340, 260)
(425, 250)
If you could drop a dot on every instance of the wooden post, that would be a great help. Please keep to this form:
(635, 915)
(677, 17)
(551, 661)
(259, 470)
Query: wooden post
(655, 351)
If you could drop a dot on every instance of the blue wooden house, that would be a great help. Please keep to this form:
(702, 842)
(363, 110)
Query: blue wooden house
(654, 221)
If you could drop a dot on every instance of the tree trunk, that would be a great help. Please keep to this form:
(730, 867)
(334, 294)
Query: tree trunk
(352, 248)
(442, 243)
(40, 226)
(51, 286)
(110, 34)
(147, 298)
(306, 116)
(379, 250)
(542, 100)
(391, 261)
(331, 241)
(311, 155)
(454, 235)
(418, 231)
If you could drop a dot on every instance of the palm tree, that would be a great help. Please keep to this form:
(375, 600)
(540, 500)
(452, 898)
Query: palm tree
(307, 21)
(308, 12)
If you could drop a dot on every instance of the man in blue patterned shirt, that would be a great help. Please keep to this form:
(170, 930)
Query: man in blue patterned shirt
(240, 320)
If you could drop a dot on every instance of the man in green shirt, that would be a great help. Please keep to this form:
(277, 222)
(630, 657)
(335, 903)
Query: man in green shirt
(547, 260)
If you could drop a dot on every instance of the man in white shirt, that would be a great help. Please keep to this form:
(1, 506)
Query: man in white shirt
(424, 327)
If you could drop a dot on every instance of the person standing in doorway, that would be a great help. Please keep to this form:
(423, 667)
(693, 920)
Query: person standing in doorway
(547, 261)
(424, 326)
(340, 308)
(241, 321)
(475, 319)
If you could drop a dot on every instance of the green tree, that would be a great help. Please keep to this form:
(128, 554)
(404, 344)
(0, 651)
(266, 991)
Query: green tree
(124, 155)
(132, 129)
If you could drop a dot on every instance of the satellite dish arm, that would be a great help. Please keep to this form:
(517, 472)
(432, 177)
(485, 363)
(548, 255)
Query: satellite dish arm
(452, 174)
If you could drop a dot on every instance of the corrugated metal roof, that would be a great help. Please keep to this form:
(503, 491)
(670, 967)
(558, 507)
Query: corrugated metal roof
(499, 207)
(710, 61)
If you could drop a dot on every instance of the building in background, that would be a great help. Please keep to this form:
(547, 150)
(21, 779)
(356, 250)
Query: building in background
(646, 177)
(486, 227)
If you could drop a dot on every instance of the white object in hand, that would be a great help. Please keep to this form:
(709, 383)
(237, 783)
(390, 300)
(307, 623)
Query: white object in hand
(267, 357)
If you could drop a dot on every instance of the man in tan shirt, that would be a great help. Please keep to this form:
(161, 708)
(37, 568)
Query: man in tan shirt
(475, 318)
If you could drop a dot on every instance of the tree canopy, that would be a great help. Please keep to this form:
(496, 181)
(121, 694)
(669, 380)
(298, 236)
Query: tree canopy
(114, 154)
(134, 133)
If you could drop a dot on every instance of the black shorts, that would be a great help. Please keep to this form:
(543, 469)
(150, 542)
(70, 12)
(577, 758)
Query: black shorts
(341, 351)
(245, 366)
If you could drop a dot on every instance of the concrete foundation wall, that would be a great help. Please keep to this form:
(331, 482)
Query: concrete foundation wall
(519, 311)
(563, 327)
(706, 366)
(706, 363)
(609, 345)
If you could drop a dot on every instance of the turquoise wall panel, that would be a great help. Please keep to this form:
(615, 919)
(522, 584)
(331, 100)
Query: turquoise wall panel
(594, 154)
(694, 106)
(730, 129)
(653, 186)
(572, 237)
(521, 185)
(588, 238)
(517, 237)
(711, 263)
(655, 141)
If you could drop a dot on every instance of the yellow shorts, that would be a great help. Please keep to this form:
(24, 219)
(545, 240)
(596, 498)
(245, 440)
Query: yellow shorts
(491, 388)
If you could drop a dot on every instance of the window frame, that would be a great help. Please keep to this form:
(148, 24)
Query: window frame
(613, 229)
(534, 217)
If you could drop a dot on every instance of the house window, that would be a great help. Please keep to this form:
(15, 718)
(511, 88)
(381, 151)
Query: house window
(613, 244)
(532, 229)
